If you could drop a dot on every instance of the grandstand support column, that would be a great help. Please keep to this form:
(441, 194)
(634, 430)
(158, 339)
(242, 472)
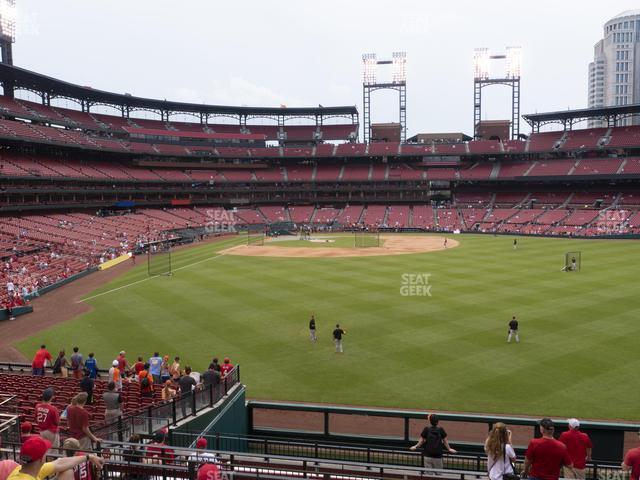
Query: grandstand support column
(477, 107)
(366, 114)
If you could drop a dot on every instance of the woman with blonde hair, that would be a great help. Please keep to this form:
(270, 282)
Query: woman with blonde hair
(500, 453)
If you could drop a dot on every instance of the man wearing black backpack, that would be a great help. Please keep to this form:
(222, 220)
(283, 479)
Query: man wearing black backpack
(433, 441)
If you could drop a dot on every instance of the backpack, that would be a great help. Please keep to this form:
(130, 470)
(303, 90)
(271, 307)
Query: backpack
(433, 443)
(144, 383)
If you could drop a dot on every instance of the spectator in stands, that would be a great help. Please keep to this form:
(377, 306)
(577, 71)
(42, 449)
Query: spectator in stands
(77, 363)
(631, 462)
(196, 376)
(546, 455)
(133, 454)
(32, 458)
(226, 367)
(114, 375)
(208, 471)
(155, 364)
(123, 364)
(211, 377)
(433, 441)
(158, 451)
(78, 422)
(187, 385)
(91, 365)
(579, 447)
(86, 385)
(146, 382)
(216, 365)
(40, 361)
(84, 471)
(48, 418)
(500, 453)
(168, 392)
(174, 371)
(26, 430)
(61, 365)
(138, 367)
(6, 467)
(112, 402)
(164, 369)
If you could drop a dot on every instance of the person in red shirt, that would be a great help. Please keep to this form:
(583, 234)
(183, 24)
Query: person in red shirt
(226, 367)
(78, 421)
(84, 471)
(158, 451)
(579, 447)
(39, 360)
(48, 418)
(545, 456)
(123, 364)
(138, 366)
(26, 431)
(632, 462)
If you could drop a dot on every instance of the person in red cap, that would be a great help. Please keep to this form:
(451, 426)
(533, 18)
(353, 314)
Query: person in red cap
(209, 471)
(34, 467)
(48, 418)
(39, 361)
(226, 367)
(26, 430)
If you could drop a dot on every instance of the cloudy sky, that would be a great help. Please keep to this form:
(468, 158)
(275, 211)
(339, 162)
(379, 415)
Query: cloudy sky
(304, 53)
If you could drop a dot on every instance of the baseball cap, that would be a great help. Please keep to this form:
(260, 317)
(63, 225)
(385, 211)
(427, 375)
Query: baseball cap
(208, 471)
(546, 423)
(159, 437)
(48, 394)
(574, 423)
(115, 363)
(33, 449)
(123, 352)
(201, 443)
(26, 427)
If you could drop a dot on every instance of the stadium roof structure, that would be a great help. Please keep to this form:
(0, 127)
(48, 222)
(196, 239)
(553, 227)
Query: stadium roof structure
(12, 77)
(568, 118)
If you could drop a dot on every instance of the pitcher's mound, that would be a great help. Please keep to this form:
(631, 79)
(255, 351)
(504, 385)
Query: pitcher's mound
(393, 245)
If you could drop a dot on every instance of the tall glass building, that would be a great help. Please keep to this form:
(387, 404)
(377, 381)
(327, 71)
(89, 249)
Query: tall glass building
(614, 74)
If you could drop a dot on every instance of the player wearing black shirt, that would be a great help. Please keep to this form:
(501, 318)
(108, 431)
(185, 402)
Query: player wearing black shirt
(337, 338)
(312, 329)
(513, 330)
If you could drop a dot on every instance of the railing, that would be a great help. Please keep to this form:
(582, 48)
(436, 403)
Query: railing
(9, 404)
(462, 461)
(179, 463)
(154, 417)
(607, 437)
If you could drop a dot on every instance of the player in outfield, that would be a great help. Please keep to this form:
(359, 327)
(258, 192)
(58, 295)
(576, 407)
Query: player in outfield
(312, 329)
(513, 330)
(337, 338)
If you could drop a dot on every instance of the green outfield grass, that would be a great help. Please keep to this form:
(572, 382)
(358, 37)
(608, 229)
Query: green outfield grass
(578, 354)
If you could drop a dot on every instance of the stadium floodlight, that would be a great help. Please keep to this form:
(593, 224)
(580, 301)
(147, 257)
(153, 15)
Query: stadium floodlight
(481, 60)
(399, 67)
(514, 62)
(369, 68)
(8, 19)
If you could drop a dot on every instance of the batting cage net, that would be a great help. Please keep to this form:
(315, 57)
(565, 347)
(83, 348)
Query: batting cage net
(365, 239)
(255, 237)
(158, 258)
(572, 262)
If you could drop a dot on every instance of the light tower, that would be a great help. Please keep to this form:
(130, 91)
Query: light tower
(481, 78)
(7, 30)
(370, 84)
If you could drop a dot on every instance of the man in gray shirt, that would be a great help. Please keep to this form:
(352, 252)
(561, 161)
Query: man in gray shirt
(112, 401)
